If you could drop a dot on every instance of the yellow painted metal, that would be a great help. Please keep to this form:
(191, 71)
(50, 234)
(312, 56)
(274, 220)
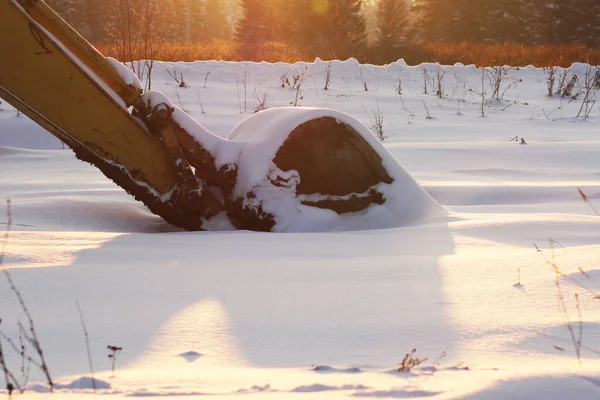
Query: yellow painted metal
(38, 77)
(45, 17)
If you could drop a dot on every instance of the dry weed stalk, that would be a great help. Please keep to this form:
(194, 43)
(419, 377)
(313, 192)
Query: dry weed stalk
(87, 344)
(427, 113)
(410, 361)
(575, 327)
(585, 198)
(327, 76)
(28, 335)
(589, 90)
(114, 352)
(576, 334)
(550, 79)
(362, 79)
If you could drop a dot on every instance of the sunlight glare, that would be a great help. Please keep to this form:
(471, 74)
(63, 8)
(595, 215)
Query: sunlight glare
(320, 6)
(204, 329)
(28, 249)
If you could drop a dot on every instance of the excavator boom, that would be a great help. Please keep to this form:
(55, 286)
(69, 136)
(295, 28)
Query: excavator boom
(77, 95)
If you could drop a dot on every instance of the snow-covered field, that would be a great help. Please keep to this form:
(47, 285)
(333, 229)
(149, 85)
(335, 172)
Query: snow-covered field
(329, 314)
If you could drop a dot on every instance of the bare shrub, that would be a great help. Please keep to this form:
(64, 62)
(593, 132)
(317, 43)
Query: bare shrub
(295, 78)
(242, 87)
(438, 81)
(410, 361)
(427, 113)
(376, 119)
(261, 100)
(550, 73)
(327, 76)
(295, 82)
(362, 79)
(136, 37)
(459, 91)
(398, 87)
(177, 76)
(482, 93)
(426, 78)
(496, 76)
(566, 84)
(589, 92)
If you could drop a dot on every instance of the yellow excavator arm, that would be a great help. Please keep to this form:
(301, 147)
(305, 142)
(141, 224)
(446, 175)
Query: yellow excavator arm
(56, 78)
(62, 83)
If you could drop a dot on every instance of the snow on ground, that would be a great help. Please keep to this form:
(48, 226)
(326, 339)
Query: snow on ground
(330, 314)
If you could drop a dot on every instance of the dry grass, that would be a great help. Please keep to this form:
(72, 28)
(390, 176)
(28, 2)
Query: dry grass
(466, 53)
(508, 54)
(227, 50)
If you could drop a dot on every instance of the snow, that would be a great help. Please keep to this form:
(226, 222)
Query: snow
(253, 144)
(324, 314)
(128, 76)
(266, 131)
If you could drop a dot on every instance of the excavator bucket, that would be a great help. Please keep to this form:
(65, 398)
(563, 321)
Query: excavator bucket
(276, 163)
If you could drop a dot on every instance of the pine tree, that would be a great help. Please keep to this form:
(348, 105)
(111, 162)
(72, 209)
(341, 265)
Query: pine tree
(392, 24)
(501, 21)
(345, 29)
(217, 25)
(577, 21)
(72, 11)
(198, 21)
(301, 25)
(590, 33)
(436, 20)
(484, 21)
(369, 8)
(99, 19)
(469, 21)
(174, 12)
(255, 26)
(512, 21)
(176, 24)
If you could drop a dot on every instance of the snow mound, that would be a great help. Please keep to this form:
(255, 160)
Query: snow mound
(263, 134)
(190, 356)
(128, 76)
(397, 394)
(85, 382)
(318, 387)
(328, 369)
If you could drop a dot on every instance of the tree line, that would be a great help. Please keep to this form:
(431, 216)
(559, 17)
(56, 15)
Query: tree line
(376, 30)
